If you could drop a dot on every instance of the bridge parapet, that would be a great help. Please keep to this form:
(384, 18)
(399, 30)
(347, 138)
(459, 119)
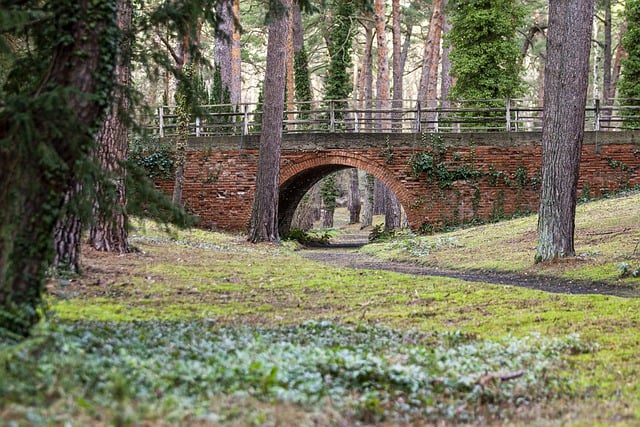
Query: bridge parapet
(317, 141)
(347, 116)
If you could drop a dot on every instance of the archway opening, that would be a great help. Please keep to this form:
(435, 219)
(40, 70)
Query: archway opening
(339, 197)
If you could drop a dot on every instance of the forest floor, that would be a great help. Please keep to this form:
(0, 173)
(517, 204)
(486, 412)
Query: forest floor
(153, 334)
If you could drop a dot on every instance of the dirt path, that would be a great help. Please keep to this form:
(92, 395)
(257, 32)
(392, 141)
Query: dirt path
(346, 256)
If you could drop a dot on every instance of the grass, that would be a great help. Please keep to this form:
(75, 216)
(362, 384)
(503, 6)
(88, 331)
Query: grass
(131, 340)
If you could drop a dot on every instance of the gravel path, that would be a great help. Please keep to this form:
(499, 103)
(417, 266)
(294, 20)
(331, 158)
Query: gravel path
(347, 256)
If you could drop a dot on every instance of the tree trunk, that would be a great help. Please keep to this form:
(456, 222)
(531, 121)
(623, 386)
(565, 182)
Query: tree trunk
(109, 230)
(290, 90)
(607, 56)
(429, 78)
(68, 234)
(263, 225)
(392, 212)
(365, 80)
(378, 197)
(355, 204)
(382, 82)
(367, 208)
(447, 80)
(565, 96)
(223, 42)
(61, 114)
(617, 61)
(236, 60)
(308, 211)
(397, 65)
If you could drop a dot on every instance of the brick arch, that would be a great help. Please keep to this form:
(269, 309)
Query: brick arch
(299, 175)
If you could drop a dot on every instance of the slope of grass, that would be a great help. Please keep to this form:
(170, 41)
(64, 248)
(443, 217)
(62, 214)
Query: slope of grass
(606, 239)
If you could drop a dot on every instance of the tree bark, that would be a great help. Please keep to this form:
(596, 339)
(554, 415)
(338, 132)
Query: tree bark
(355, 205)
(565, 95)
(392, 212)
(32, 187)
(382, 82)
(263, 225)
(109, 231)
(223, 42)
(365, 80)
(447, 80)
(290, 91)
(367, 208)
(397, 65)
(68, 234)
(431, 57)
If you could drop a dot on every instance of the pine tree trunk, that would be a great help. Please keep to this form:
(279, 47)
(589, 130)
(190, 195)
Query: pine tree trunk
(447, 80)
(392, 212)
(367, 208)
(109, 230)
(67, 236)
(327, 216)
(355, 204)
(236, 60)
(397, 65)
(223, 41)
(382, 82)
(290, 90)
(365, 80)
(429, 78)
(565, 95)
(263, 226)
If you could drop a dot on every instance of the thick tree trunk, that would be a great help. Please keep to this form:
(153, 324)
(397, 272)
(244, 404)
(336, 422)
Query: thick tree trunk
(355, 205)
(109, 230)
(32, 188)
(263, 226)
(565, 95)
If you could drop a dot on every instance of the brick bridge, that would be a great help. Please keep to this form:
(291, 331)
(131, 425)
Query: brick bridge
(444, 179)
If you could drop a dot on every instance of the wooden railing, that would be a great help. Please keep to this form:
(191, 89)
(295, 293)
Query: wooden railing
(511, 115)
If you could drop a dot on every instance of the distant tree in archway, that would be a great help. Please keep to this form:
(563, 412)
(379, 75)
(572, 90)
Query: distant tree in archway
(329, 193)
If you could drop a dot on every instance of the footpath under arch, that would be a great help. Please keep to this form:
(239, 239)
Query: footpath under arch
(298, 176)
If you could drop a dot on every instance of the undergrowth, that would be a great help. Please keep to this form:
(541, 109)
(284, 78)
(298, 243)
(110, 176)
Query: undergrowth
(171, 370)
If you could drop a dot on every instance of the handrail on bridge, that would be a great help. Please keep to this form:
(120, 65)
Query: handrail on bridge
(348, 116)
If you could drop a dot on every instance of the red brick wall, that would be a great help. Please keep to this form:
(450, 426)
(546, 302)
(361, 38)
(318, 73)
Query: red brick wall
(219, 184)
